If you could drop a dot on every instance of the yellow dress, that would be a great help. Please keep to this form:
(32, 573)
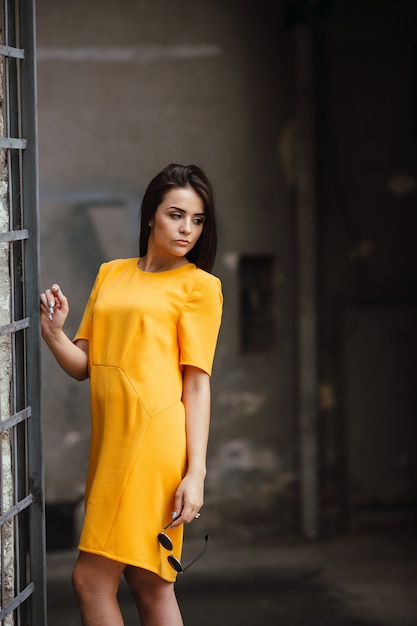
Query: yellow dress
(142, 328)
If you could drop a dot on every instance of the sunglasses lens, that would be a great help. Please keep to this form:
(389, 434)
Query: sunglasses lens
(174, 563)
(165, 541)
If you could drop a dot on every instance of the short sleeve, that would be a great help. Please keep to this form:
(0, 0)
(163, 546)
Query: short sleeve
(84, 329)
(199, 324)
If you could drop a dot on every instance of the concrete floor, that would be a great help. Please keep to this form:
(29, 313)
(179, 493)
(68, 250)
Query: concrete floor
(367, 579)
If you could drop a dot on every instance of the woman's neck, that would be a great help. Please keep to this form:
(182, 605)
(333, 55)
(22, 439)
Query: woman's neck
(156, 265)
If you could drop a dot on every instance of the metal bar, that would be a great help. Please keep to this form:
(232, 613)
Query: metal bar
(307, 305)
(2, 541)
(14, 327)
(18, 284)
(16, 509)
(14, 136)
(15, 419)
(9, 51)
(14, 235)
(30, 199)
(11, 113)
(17, 601)
(13, 143)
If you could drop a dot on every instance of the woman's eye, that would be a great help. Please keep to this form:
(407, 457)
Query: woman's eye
(176, 216)
(199, 221)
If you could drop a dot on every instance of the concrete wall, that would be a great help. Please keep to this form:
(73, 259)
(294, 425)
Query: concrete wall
(125, 88)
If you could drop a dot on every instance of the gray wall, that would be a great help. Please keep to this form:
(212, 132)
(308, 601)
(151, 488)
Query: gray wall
(125, 88)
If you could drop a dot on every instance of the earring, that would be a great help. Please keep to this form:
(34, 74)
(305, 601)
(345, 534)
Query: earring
(149, 223)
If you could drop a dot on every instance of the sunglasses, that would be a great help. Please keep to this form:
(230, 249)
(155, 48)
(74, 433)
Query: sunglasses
(166, 543)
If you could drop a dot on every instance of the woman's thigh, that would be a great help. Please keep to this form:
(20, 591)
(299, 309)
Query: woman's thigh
(154, 598)
(97, 573)
(147, 586)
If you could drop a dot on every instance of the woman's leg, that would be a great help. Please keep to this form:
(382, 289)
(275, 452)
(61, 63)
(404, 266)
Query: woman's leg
(154, 597)
(96, 580)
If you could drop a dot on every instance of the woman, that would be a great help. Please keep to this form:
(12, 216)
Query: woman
(147, 342)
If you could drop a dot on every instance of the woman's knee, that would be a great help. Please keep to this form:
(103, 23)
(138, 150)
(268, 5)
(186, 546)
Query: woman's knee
(78, 577)
(81, 580)
(94, 574)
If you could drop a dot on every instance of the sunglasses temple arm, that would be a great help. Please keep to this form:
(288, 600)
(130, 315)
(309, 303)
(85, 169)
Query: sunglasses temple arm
(206, 538)
(168, 525)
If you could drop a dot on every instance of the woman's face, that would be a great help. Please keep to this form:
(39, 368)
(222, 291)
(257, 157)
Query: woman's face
(177, 223)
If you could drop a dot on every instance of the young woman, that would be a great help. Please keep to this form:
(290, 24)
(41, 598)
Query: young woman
(146, 341)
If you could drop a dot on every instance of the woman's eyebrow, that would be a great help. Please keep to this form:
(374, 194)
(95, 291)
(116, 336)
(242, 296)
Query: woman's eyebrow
(177, 208)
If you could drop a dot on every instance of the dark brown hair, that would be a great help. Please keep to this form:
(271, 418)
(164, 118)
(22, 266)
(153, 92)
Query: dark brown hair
(175, 176)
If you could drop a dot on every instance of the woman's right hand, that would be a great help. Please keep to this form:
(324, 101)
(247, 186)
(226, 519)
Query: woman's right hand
(72, 357)
(54, 310)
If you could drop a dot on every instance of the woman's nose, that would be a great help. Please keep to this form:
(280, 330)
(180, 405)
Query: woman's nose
(186, 226)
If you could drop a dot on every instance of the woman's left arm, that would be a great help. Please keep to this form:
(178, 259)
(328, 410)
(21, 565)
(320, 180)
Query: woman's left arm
(189, 496)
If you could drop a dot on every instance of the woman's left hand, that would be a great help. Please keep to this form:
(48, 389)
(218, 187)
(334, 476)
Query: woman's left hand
(189, 499)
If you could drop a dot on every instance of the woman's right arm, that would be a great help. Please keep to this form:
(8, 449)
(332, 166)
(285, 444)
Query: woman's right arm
(72, 357)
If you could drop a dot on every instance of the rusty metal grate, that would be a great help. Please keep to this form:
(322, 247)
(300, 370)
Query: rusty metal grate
(22, 520)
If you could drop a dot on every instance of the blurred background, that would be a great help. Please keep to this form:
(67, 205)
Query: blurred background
(303, 115)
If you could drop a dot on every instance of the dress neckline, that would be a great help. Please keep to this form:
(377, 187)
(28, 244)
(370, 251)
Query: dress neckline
(175, 269)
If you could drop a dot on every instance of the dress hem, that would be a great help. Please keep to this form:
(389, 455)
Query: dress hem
(113, 557)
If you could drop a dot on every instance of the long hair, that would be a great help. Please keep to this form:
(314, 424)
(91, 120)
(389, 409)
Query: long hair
(175, 176)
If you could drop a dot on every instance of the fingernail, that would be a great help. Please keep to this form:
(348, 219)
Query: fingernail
(51, 303)
(60, 293)
(51, 309)
(50, 317)
(174, 514)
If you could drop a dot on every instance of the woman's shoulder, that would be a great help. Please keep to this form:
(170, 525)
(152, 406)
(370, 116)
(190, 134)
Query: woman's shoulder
(117, 265)
(200, 276)
(203, 286)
